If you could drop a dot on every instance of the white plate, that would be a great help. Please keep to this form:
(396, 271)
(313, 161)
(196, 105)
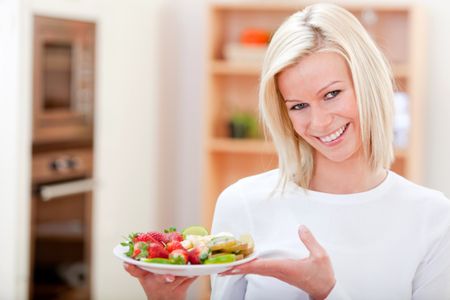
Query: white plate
(179, 270)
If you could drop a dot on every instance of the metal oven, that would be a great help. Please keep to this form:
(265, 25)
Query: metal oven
(61, 224)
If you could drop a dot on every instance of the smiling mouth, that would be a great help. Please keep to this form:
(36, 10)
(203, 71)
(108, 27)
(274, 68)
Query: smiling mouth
(335, 135)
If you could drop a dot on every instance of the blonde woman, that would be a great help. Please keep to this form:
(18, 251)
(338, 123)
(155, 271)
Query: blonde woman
(332, 222)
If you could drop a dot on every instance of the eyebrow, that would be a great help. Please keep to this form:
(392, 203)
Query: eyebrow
(327, 86)
(318, 92)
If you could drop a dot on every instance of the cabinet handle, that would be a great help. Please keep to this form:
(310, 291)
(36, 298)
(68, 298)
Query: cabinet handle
(52, 191)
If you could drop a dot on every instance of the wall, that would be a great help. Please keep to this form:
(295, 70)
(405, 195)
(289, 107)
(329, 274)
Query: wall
(182, 72)
(13, 156)
(125, 136)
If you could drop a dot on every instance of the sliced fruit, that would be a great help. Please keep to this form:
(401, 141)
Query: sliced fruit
(172, 234)
(148, 237)
(173, 245)
(221, 243)
(247, 238)
(179, 256)
(239, 256)
(156, 250)
(195, 230)
(221, 259)
(157, 260)
(198, 254)
(140, 250)
(239, 246)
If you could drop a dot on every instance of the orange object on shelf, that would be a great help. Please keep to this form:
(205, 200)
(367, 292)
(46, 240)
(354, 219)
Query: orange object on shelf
(255, 36)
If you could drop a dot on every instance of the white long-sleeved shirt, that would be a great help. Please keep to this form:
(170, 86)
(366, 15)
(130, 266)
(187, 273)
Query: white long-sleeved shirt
(391, 242)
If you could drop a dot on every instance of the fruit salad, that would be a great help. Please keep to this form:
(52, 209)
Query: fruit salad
(194, 245)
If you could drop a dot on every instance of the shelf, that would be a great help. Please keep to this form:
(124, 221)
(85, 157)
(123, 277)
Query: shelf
(226, 68)
(223, 67)
(400, 70)
(242, 146)
(400, 153)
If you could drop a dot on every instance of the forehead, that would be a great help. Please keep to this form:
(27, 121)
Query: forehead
(313, 72)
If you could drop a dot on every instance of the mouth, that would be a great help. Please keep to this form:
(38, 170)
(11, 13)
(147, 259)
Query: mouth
(335, 135)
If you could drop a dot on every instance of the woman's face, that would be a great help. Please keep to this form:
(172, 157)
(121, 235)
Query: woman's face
(320, 99)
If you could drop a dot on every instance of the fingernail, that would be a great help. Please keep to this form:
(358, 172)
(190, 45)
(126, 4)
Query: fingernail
(303, 229)
(169, 279)
(235, 271)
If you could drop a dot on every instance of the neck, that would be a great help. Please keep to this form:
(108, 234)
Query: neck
(351, 176)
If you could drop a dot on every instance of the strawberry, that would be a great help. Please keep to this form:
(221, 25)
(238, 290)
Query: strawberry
(152, 237)
(179, 256)
(156, 250)
(198, 254)
(140, 250)
(173, 235)
(136, 252)
(173, 245)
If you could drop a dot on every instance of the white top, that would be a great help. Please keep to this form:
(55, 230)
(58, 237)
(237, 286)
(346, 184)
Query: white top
(392, 242)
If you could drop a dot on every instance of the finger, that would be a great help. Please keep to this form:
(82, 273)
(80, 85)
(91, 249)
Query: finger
(169, 278)
(310, 241)
(164, 279)
(134, 271)
(265, 267)
(186, 282)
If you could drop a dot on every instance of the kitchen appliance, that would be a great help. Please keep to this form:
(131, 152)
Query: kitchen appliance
(62, 159)
(61, 224)
(63, 89)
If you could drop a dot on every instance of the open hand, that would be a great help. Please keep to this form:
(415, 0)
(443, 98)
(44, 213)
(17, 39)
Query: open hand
(313, 274)
(160, 287)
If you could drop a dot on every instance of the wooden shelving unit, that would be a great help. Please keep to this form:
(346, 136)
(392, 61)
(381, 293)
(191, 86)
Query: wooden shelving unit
(231, 86)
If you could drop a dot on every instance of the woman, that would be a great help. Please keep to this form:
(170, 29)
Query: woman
(332, 222)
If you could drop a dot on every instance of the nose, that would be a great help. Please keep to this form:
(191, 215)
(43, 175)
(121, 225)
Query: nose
(320, 119)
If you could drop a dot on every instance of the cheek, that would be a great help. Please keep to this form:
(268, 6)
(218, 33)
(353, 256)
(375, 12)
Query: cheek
(299, 123)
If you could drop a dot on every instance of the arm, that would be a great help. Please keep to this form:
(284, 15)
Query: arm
(432, 279)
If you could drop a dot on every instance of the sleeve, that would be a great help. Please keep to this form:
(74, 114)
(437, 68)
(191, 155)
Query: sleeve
(230, 215)
(432, 279)
(338, 293)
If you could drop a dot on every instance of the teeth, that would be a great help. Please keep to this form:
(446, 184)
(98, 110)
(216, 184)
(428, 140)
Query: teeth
(333, 136)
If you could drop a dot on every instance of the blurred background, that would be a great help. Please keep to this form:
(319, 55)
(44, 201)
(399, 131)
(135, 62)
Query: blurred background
(121, 116)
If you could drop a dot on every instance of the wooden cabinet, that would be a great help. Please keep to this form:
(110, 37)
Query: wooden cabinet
(232, 87)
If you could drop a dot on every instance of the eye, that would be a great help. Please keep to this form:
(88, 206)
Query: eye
(332, 94)
(299, 106)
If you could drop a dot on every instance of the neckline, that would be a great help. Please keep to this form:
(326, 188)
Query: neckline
(358, 197)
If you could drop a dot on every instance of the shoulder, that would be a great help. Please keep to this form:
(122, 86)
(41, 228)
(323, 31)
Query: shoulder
(238, 197)
(259, 185)
(418, 193)
(232, 211)
(430, 207)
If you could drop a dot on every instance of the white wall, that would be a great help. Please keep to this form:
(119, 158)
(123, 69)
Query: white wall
(125, 137)
(182, 71)
(125, 134)
(13, 156)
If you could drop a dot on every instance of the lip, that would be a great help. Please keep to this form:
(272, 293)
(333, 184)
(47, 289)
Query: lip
(336, 141)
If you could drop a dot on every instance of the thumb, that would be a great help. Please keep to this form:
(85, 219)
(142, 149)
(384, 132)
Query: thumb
(310, 242)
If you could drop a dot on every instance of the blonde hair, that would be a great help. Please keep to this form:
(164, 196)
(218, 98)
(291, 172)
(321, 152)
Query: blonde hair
(327, 28)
